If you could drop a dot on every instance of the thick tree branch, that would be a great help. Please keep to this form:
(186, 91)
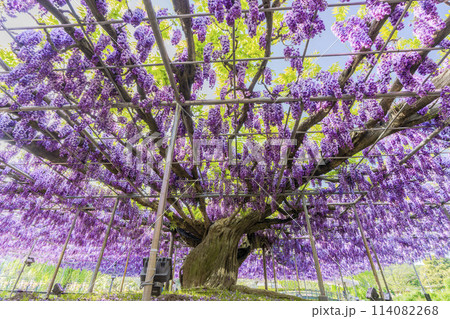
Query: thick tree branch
(147, 117)
(313, 119)
(269, 27)
(397, 86)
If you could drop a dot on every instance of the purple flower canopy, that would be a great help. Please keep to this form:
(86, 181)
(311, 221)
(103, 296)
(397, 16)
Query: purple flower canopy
(86, 112)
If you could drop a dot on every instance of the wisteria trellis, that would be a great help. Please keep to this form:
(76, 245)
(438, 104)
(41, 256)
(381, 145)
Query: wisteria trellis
(74, 96)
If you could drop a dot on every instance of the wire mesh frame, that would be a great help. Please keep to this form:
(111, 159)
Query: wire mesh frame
(92, 129)
(345, 97)
(131, 183)
(307, 56)
(62, 210)
(398, 128)
(52, 136)
(216, 161)
(110, 163)
(223, 161)
(181, 16)
(234, 59)
(363, 156)
(399, 94)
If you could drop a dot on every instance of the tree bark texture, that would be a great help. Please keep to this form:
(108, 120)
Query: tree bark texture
(214, 262)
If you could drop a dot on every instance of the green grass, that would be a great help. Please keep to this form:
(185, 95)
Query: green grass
(402, 281)
(418, 296)
(188, 295)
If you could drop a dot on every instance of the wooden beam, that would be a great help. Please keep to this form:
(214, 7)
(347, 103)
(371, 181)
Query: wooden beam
(445, 211)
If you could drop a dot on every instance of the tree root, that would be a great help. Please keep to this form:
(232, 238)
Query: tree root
(262, 292)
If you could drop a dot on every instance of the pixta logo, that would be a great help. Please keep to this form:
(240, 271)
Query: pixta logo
(250, 151)
(141, 150)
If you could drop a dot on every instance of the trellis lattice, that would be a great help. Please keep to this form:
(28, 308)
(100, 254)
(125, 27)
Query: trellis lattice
(90, 118)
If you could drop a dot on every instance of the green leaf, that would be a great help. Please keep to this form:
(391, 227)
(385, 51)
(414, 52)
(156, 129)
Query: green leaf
(340, 13)
(9, 57)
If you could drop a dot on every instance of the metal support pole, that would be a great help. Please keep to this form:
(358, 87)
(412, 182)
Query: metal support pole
(1, 268)
(23, 268)
(173, 268)
(338, 291)
(296, 272)
(265, 268)
(369, 255)
(61, 256)
(113, 277)
(274, 272)
(344, 287)
(393, 277)
(105, 241)
(161, 46)
(366, 283)
(170, 256)
(111, 284)
(125, 270)
(147, 293)
(381, 270)
(427, 296)
(354, 288)
(62, 276)
(323, 295)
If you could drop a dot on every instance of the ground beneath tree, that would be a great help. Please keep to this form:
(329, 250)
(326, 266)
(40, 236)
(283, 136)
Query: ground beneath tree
(25, 296)
(173, 297)
(236, 293)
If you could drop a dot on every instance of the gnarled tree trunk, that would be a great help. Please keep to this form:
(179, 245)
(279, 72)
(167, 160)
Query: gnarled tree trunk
(214, 262)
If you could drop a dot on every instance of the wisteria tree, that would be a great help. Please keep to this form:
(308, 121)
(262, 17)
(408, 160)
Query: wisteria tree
(88, 106)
